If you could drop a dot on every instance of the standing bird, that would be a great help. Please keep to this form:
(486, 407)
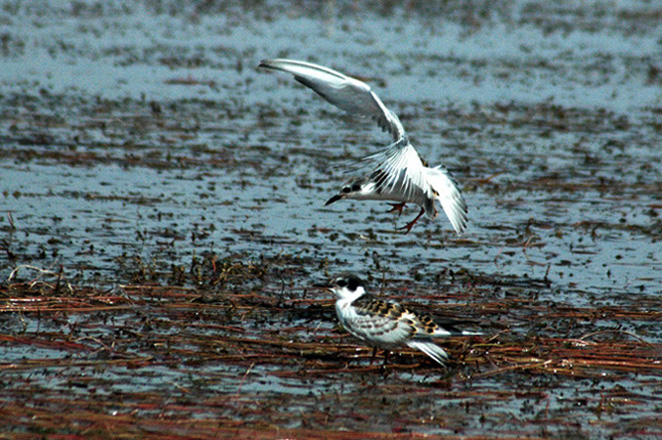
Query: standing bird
(396, 174)
(387, 324)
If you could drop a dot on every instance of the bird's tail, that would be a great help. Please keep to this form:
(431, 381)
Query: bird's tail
(433, 350)
(470, 333)
(450, 196)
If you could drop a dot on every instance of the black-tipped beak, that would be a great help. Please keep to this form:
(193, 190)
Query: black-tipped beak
(265, 64)
(333, 199)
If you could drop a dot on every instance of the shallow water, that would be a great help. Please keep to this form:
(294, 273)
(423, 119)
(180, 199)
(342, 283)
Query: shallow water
(139, 140)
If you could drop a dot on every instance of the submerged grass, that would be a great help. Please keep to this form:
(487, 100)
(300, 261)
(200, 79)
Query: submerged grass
(158, 361)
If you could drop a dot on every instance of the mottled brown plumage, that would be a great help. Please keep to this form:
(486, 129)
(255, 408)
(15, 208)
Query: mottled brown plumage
(388, 324)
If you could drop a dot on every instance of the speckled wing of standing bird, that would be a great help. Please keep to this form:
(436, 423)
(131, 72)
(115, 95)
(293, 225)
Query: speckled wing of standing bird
(387, 324)
(398, 173)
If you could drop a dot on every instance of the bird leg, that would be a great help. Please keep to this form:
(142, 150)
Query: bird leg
(384, 367)
(411, 224)
(386, 353)
(397, 207)
(374, 354)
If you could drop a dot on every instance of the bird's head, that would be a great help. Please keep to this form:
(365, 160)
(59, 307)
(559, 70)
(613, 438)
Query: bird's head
(347, 287)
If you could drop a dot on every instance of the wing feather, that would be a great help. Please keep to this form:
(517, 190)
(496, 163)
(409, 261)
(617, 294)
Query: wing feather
(375, 320)
(399, 172)
(344, 92)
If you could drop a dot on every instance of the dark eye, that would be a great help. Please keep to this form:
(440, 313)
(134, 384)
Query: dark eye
(356, 187)
(346, 189)
(341, 283)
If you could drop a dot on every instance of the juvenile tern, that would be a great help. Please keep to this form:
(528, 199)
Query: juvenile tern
(386, 324)
(398, 173)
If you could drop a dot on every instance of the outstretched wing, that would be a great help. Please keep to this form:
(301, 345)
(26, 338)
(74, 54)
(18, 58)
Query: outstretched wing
(344, 92)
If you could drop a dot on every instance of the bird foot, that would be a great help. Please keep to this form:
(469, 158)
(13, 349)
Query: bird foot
(407, 227)
(411, 224)
(397, 207)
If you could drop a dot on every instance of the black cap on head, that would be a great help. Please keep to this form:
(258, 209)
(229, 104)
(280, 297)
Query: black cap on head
(352, 282)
